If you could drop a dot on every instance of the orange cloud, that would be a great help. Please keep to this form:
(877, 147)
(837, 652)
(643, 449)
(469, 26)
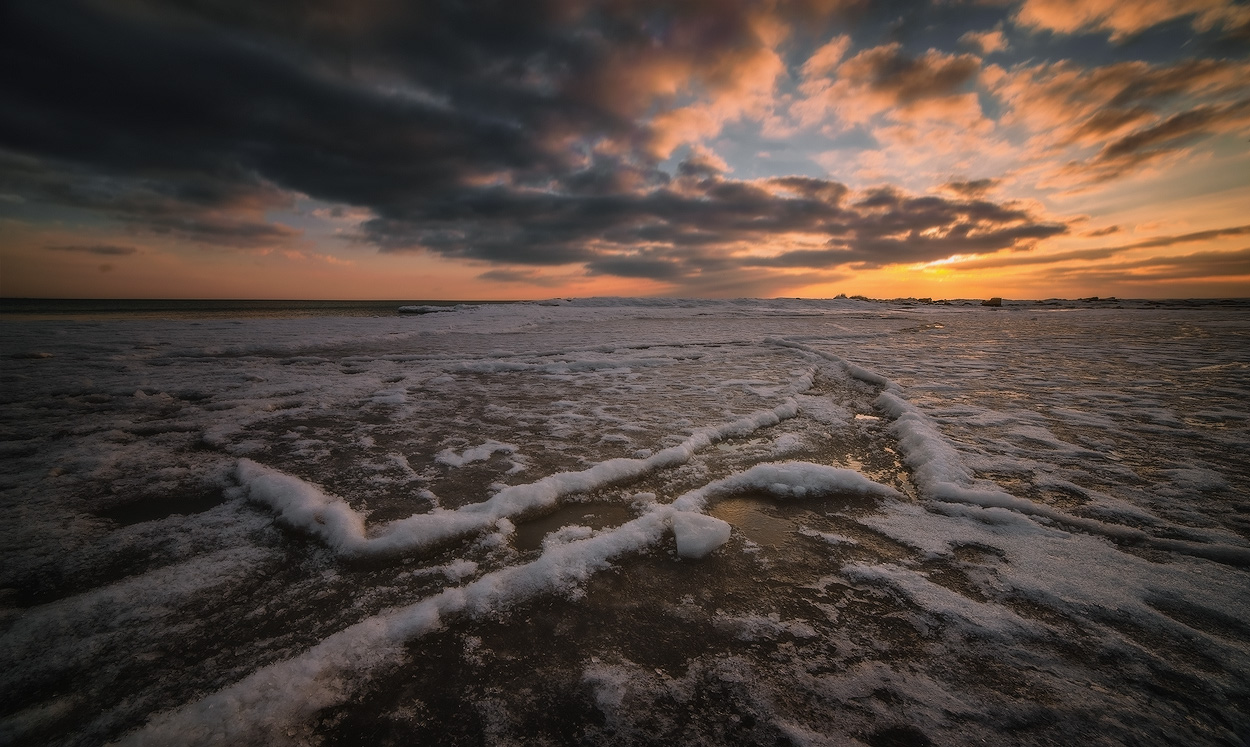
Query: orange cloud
(1124, 19)
(1101, 253)
(825, 60)
(884, 81)
(1213, 266)
(985, 42)
(740, 84)
(1079, 104)
(922, 111)
(1088, 126)
(1159, 141)
(687, 73)
(970, 188)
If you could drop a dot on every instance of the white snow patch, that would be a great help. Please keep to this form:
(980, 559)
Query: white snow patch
(831, 538)
(480, 453)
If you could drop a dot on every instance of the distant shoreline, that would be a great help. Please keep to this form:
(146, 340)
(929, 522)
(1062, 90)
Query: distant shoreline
(32, 309)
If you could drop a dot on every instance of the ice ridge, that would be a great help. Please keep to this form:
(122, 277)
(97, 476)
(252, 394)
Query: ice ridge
(305, 507)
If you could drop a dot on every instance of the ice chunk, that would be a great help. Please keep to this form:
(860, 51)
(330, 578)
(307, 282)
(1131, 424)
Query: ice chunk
(787, 442)
(304, 506)
(393, 396)
(786, 480)
(698, 534)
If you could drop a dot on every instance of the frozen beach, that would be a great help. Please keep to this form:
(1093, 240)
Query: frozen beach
(617, 521)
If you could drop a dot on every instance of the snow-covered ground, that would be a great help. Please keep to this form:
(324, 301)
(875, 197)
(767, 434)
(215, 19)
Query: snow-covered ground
(630, 522)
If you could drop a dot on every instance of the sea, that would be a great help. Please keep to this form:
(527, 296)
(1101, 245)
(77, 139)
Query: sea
(625, 521)
(51, 309)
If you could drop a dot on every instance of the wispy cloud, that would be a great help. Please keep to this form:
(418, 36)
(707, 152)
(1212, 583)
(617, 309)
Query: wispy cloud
(985, 42)
(527, 277)
(1122, 19)
(1021, 260)
(1159, 140)
(1109, 230)
(106, 250)
(971, 187)
(887, 80)
(1094, 125)
(1209, 266)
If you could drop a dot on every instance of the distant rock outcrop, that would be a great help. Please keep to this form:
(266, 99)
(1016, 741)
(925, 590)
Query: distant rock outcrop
(993, 302)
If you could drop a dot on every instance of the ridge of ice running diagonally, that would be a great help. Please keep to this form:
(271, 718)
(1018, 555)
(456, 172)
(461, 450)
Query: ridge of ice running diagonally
(852, 370)
(305, 507)
(942, 477)
(940, 474)
(260, 707)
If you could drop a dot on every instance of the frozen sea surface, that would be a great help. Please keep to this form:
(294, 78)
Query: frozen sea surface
(629, 522)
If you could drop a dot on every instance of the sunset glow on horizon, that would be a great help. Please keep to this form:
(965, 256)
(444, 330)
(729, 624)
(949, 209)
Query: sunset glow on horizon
(386, 150)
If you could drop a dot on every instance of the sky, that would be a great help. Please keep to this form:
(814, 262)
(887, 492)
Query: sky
(383, 149)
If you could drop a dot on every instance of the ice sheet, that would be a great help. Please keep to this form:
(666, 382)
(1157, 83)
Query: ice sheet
(509, 523)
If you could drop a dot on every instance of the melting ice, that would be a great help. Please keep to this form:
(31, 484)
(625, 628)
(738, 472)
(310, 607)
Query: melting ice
(618, 521)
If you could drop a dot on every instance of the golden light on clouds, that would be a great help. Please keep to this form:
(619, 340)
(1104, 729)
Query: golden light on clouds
(792, 148)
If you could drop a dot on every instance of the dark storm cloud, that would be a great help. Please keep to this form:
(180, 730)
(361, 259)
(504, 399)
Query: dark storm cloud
(371, 105)
(140, 95)
(519, 136)
(107, 250)
(885, 227)
(196, 207)
(637, 267)
(528, 277)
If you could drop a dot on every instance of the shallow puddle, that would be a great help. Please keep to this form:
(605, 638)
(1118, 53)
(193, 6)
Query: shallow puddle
(755, 519)
(529, 535)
